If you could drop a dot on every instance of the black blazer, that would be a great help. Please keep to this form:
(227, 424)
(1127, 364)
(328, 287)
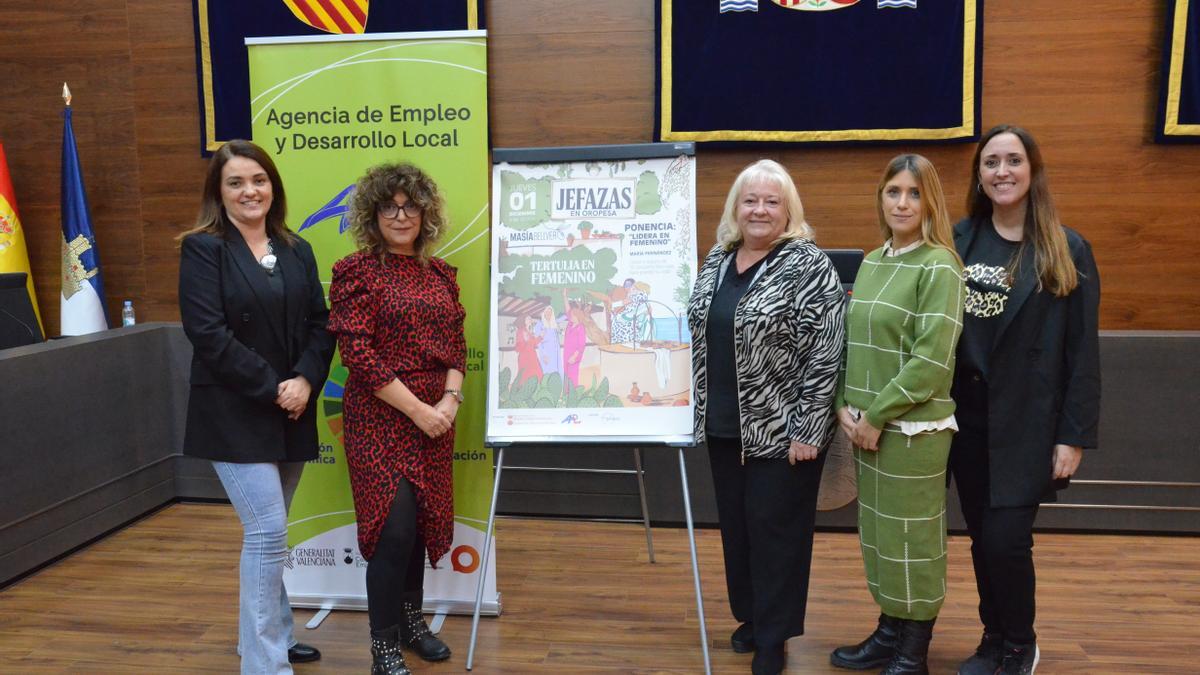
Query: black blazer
(239, 355)
(1043, 380)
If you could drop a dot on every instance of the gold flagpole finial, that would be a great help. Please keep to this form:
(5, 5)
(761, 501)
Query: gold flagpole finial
(66, 94)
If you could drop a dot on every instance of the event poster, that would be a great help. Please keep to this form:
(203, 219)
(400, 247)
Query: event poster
(326, 109)
(592, 266)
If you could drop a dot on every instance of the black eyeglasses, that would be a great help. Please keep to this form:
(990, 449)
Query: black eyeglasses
(392, 209)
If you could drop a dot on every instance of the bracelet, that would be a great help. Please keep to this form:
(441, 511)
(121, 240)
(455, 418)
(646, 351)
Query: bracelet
(456, 393)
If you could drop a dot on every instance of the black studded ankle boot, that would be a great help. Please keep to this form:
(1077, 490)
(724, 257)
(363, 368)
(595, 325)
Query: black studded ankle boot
(876, 650)
(386, 658)
(415, 633)
(912, 649)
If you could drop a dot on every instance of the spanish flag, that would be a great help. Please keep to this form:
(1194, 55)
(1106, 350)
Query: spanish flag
(14, 257)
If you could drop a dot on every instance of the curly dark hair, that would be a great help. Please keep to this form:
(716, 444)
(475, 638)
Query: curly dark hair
(379, 185)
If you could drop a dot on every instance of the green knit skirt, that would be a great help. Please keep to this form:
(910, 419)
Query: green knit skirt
(902, 521)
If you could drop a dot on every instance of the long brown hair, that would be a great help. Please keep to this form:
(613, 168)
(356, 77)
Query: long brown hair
(380, 184)
(935, 221)
(214, 220)
(1043, 230)
(213, 217)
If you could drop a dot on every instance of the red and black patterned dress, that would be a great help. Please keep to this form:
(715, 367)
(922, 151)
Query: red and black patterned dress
(397, 319)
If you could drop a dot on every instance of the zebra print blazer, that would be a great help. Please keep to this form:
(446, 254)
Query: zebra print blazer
(789, 337)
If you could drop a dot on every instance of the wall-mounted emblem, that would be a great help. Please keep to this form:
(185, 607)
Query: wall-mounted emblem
(811, 5)
(815, 5)
(739, 6)
(332, 16)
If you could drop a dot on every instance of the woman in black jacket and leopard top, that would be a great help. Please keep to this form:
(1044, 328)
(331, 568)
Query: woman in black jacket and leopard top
(767, 308)
(1027, 383)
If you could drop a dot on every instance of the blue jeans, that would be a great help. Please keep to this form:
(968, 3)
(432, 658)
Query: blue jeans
(261, 494)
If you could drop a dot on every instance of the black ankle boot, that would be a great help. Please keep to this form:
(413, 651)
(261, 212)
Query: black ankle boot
(912, 649)
(873, 652)
(386, 658)
(768, 660)
(415, 633)
(742, 639)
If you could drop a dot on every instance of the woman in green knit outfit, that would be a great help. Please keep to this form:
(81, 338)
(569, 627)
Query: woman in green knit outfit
(894, 403)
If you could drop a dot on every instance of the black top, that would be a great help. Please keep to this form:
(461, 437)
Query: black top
(275, 306)
(988, 286)
(723, 419)
(1043, 383)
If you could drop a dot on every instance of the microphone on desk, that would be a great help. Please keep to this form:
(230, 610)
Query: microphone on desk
(33, 337)
(16, 304)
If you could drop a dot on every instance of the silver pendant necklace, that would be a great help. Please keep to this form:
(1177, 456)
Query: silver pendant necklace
(269, 260)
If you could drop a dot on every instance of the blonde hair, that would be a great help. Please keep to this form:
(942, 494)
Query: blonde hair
(1043, 230)
(935, 221)
(729, 236)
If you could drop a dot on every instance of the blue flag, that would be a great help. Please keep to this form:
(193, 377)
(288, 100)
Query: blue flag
(1179, 100)
(82, 308)
(819, 70)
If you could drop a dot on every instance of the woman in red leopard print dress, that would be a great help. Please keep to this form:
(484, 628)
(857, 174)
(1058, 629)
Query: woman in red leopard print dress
(399, 326)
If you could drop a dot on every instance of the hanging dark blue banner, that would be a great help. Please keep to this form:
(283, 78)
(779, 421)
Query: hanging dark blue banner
(223, 25)
(1179, 101)
(819, 70)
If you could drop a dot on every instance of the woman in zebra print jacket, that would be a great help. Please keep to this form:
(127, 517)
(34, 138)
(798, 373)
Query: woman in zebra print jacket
(767, 333)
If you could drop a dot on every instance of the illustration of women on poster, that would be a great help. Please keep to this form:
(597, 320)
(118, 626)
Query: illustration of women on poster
(526, 346)
(632, 321)
(574, 342)
(549, 350)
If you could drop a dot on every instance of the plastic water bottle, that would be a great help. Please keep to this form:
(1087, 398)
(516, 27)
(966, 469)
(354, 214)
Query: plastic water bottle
(127, 318)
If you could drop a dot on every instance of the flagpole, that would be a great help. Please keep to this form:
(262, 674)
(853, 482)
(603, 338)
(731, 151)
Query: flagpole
(81, 304)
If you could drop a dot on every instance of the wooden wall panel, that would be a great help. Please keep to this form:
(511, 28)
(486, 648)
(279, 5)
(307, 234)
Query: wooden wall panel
(86, 44)
(579, 75)
(1081, 74)
(167, 124)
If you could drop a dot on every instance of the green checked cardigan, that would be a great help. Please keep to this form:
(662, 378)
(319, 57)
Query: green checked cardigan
(902, 326)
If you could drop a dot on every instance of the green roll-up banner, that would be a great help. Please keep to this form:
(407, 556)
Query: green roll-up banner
(327, 108)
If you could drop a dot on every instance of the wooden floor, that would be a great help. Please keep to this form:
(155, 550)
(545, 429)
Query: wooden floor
(160, 597)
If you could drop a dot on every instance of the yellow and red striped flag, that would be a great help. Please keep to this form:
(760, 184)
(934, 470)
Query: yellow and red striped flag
(14, 257)
(332, 16)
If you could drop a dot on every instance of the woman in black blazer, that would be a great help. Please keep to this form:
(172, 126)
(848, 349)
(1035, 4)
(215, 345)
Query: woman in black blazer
(254, 311)
(1027, 384)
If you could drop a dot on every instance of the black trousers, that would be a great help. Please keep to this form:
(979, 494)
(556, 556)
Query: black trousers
(767, 509)
(397, 571)
(1001, 540)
